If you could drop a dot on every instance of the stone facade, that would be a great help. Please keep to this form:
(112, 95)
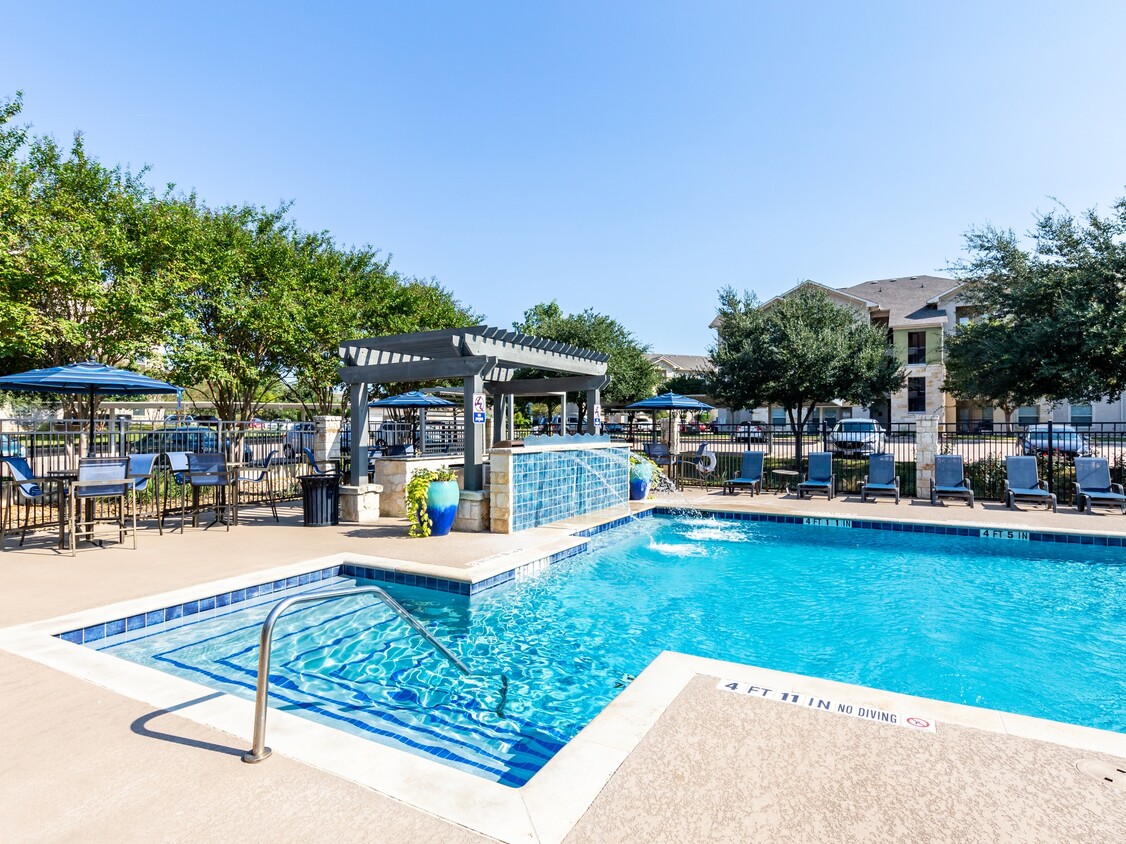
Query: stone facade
(473, 512)
(393, 474)
(359, 505)
(326, 439)
(926, 447)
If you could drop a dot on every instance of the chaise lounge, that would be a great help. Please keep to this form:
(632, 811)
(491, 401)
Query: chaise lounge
(750, 474)
(1022, 483)
(820, 477)
(950, 479)
(881, 478)
(1093, 485)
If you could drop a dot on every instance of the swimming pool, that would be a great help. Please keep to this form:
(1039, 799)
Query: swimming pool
(1030, 627)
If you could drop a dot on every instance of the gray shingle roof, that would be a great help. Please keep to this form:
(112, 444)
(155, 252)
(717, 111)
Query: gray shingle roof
(905, 298)
(684, 363)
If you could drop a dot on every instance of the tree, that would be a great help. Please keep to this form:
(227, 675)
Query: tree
(632, 376)
(77, 279)
(1056, 314)
(798, 353)
(982, 366)
(687, 385)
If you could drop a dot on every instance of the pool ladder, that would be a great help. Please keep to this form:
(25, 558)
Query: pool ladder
(259, 751)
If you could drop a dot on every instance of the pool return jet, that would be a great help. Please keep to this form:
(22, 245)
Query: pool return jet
(259, 751)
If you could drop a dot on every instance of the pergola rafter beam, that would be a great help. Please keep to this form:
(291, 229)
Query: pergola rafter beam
(422, 370)
(547, 386)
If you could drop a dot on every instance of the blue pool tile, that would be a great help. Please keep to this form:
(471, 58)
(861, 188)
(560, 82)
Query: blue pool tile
(191, 607)
(173, 612)
(115, 628)
(154, 617)
(223, 599)
(206, 604)
(279, 585)
(73, 636)
(291, 582)
(303, 579)
(135, 622)
(93, 633)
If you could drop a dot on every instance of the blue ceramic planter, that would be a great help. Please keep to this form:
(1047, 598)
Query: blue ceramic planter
(441, 506)
(638, 489)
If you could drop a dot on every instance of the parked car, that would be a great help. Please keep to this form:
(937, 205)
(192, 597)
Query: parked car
(209, 419)
(176, 439)
(613, 428)
(1065, 440)
(175, 420)
(857, 436)
(299, 436)
(10, 447)
(748, 432)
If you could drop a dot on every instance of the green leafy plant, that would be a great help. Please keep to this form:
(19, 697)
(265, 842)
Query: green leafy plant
(417, 488)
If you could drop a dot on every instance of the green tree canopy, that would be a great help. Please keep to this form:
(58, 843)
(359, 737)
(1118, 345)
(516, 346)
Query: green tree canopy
(1052, 320)
(801, 351)
(632, 376)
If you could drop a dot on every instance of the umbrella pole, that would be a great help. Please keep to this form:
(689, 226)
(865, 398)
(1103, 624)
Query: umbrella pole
(90, 446)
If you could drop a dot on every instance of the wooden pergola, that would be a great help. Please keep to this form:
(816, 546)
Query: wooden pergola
(486, 360)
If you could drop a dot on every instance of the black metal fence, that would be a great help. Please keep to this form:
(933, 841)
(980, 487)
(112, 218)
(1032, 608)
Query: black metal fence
(53, 448)
(1054, 444)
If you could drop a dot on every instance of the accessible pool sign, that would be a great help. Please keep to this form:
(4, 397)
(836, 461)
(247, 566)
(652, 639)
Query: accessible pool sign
(478, 408)
(598, 416)
(836, 706)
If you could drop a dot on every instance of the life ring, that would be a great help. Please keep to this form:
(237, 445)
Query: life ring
(706, 462)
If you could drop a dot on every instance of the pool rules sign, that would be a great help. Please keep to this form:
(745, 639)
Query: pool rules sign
(478, 408)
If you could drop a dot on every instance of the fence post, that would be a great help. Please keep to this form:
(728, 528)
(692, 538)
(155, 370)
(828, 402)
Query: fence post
(926, 447)
(1051, 462)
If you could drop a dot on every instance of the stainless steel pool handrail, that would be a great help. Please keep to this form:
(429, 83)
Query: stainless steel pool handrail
(259, 751)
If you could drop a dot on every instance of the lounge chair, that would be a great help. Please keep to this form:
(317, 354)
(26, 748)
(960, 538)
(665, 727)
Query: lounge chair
(881, 478)
(29, 491)
(950, 479)
(100, 478)
(264, 477)
(140, 470)
(210, 470)
(1022, 483)
(820, 477)
(1093, 486)
(750, 474)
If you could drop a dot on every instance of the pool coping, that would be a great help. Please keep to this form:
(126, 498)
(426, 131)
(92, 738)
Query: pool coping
(547, 807)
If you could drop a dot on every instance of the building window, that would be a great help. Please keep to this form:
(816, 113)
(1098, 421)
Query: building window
(916, 395)
(916, 347)
(1081, 414)
(1029, 415)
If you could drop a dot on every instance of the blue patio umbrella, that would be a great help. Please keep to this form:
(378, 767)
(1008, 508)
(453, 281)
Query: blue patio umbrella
(89, 378)
(669, 401)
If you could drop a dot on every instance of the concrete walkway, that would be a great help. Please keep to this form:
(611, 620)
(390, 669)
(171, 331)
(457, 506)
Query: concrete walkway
(78, 762)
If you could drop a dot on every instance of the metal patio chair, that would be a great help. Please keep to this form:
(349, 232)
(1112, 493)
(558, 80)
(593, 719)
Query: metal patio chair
(820, 477)
(1093, 485)
(950, 479)
(25, 492)
(209, 470)
(1022, 483)
(265, 477)
(100, 478)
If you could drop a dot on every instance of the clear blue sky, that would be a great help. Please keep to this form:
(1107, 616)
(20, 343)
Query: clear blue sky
(631, 157)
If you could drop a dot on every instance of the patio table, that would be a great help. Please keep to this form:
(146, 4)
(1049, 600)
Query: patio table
(786, 477)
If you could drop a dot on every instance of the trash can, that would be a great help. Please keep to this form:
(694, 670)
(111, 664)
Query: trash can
(320, 499)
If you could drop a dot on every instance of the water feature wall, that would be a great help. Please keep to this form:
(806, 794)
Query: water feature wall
(541, 484)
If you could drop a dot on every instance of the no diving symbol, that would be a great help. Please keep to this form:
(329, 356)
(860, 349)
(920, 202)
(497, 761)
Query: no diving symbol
(921, 723)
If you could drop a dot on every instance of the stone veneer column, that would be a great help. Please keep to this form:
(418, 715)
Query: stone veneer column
(359, 505)
(926, 447)
(500, 490)
(326, 439)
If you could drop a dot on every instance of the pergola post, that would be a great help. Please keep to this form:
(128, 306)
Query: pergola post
(500, 406)
(358, 473)
(592, 397)
(511, 416)
(474, 437)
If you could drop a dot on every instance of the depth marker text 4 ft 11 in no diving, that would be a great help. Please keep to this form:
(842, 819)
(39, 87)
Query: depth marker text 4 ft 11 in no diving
(834, 705)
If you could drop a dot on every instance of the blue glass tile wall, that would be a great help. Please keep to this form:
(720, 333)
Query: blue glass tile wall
(551, 485)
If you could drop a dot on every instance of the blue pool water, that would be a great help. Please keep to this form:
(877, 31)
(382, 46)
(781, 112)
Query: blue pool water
(1030, 627)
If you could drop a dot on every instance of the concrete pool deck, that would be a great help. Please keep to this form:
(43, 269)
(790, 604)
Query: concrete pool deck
(79, 761)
